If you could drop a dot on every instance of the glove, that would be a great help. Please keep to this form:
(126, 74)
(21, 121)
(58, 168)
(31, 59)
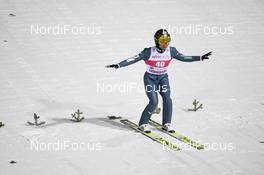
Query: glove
(116, 66)
(206, 56)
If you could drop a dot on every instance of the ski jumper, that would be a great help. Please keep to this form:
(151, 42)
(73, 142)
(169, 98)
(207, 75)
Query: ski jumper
(156, 79)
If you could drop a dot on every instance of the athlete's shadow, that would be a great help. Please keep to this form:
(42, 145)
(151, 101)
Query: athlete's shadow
(102, 122)
(52, 105)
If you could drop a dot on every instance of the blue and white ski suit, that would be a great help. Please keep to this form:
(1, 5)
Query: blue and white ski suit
(156, 79)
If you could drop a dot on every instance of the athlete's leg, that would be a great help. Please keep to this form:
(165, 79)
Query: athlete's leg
(167, 102)
(150, 87)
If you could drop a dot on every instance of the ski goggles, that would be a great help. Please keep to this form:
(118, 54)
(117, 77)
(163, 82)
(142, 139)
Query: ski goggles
(164, 39)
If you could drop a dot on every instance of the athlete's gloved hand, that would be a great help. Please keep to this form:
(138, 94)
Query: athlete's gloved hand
(206, 56)
(116, 66)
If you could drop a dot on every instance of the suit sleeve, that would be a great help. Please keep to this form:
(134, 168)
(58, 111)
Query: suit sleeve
(177, 55)
(144, 55)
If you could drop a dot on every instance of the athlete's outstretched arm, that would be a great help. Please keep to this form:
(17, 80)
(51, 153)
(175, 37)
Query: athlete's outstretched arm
(177, 55)
(141, 56)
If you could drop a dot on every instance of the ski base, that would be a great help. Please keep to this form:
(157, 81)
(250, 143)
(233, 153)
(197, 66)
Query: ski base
(177, 135)
(155, 137)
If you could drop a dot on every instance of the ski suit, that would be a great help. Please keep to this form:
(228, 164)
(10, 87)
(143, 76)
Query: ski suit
(156, 79)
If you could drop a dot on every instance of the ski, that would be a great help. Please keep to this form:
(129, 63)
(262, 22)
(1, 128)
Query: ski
(150, 135)
(177, 135)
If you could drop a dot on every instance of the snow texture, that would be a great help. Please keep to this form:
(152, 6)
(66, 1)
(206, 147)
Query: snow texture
(54, 74)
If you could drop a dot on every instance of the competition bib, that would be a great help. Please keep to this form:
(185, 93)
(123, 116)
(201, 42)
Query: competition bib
(158, 62)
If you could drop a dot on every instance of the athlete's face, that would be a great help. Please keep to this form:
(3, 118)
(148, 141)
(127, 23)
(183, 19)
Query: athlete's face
(164, 41)
(164, 45)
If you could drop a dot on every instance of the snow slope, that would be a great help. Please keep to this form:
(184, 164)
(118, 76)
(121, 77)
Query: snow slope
(54, 75)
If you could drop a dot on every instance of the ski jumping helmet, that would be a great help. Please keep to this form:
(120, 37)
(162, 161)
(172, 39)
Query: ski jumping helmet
(161, 37)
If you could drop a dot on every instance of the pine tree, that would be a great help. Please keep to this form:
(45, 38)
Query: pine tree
(36, 123)
(2, 124)
(195, 103)
(76, 117)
